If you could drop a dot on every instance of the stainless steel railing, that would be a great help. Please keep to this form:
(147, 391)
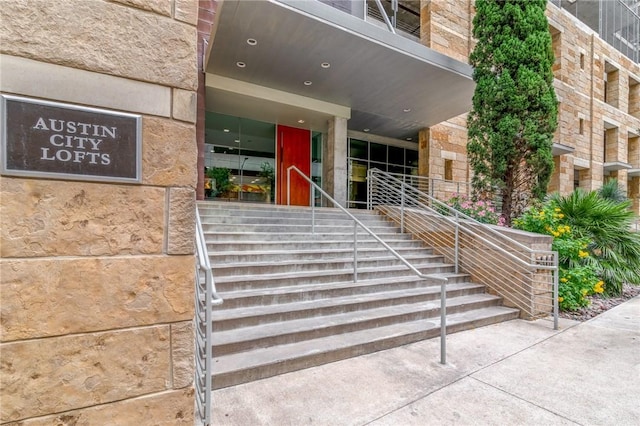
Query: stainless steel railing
(441, 189)
(524, 277)
(205, 298)
(358, 224)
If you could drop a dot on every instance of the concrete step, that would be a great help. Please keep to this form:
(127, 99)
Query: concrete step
(406, 303)
(308, 292)
(297, 219)
(259, 254)
(221, 235)
(294, 265)
(259, 363)
(219, 246)
(285, 228)
(282, 332)
(244, 282)
(260, 209)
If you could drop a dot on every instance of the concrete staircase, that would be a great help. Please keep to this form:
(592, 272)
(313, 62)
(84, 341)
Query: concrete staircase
(290, 301)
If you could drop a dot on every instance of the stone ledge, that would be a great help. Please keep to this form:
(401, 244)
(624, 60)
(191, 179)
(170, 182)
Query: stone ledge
(27, 77)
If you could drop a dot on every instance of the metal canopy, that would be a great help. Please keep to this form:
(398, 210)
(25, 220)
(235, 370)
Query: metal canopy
(394, 86)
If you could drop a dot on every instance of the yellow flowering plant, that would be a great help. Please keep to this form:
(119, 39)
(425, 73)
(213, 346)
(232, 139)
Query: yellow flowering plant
(577, 279)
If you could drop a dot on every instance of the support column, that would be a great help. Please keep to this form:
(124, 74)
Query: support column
(424, 137)
(633, 193)
(334, 162)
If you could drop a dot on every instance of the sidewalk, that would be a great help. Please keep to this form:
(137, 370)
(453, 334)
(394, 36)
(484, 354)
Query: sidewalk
(514, 373)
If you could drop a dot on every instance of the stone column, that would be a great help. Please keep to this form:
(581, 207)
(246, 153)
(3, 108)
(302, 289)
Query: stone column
(97, 278)
(334, 162)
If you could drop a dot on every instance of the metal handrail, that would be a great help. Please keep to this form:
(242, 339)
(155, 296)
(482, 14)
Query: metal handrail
(205, 299)
(356, 223)
(414, 208)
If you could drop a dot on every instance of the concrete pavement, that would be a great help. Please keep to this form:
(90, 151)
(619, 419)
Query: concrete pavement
(513, 373)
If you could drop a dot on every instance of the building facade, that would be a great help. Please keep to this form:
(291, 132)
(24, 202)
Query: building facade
(97, 274)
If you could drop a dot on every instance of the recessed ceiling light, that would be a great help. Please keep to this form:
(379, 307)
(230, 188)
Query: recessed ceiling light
(241, 64)
(301, 121)
(225, 130)
(211, 151)
(237, 141)
(325, 65)
(308, 83)
(407, 110)
(409, 139)
(366, 130)
(252, 41)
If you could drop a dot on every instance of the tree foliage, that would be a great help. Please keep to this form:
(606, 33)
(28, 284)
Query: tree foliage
(514, 112)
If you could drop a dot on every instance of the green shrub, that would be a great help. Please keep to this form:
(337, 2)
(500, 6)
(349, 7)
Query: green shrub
(577, 279)
(606, 225)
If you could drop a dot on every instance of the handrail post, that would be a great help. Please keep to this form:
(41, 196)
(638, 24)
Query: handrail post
(402, 207)
(289, 186)
(556, 272)
(443, 322)
(313, 209)
(369, 188)
(355, 252)
(456, 249)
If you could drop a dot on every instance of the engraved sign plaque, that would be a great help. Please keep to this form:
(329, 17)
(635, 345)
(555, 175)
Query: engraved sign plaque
(56, 140)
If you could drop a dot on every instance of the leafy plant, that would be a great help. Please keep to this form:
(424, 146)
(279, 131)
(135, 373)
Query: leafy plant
(606, 224)
(267, 172)
(577, 278)
(611, 191)
(514, 113)
(221, 177)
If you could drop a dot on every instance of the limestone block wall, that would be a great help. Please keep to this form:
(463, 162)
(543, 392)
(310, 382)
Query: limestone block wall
(96, 279)
(587, 106)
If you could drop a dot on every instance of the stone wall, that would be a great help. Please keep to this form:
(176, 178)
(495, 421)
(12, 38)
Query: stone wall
(97, 278)
(582, 64)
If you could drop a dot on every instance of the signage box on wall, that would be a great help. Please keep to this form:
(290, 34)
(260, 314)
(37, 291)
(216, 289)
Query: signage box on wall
(63, 141)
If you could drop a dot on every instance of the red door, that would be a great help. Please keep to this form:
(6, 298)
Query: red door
(294, 149)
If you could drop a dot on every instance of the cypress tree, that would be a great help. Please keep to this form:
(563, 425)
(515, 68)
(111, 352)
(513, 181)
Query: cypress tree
(514, 112)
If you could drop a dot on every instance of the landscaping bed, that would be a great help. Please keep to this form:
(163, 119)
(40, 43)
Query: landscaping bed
(599, 304)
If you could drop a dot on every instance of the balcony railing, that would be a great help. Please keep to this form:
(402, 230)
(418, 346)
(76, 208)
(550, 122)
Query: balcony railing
(616, 21)
(398, 16)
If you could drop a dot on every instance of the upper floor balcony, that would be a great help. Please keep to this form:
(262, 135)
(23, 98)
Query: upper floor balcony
(616, 21)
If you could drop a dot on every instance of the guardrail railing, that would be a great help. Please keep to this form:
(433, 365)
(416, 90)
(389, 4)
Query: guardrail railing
(205, 298)
(524, 277)
(358, 224)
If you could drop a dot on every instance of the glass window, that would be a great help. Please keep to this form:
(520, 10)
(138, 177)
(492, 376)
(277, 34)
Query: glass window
(412, 158)
(378, 152)
(358, 149)
(396, 155)
(381, 166)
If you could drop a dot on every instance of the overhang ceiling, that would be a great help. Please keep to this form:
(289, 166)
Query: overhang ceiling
(394, 86)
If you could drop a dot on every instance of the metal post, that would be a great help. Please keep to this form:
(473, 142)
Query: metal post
(556, 271)
(313, 210)
(402, 208)
(369, 189)
(355, 252)
(288, 187)
(443, 322)
(457, 242)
